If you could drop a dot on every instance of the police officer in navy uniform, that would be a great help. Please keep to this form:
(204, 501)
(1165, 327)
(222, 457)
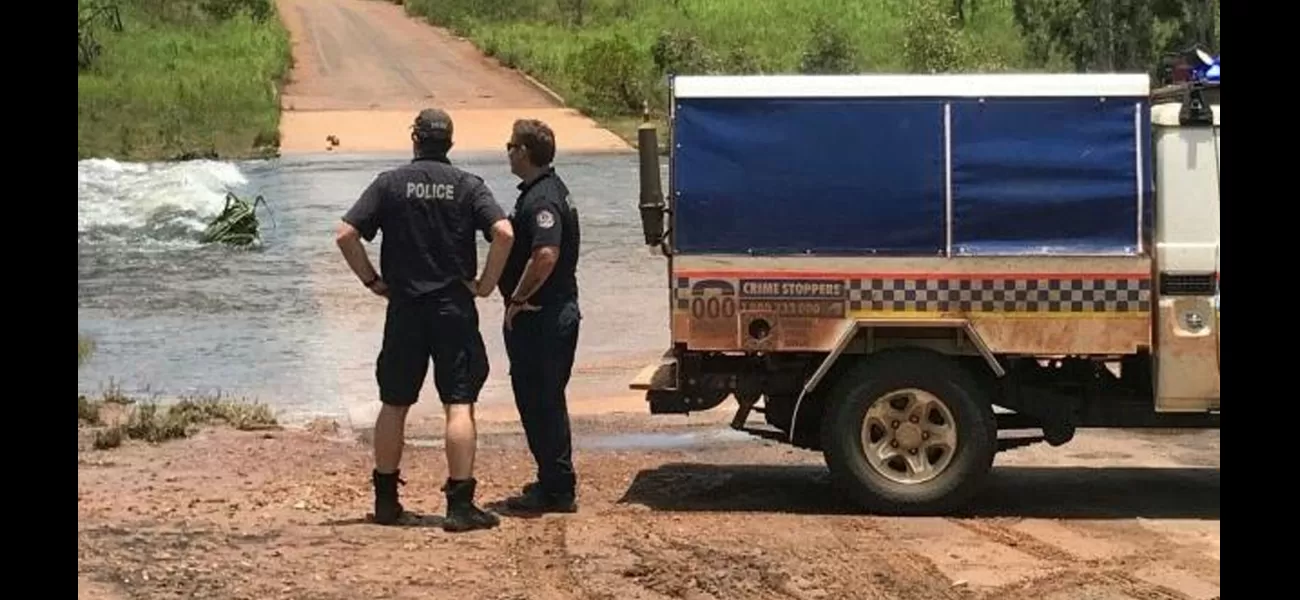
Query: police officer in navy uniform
(429, 212)
(542, 315)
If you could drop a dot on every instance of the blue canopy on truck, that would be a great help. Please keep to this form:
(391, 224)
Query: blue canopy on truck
(912, 165)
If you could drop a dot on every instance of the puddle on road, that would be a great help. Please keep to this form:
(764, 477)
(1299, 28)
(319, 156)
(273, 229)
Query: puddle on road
(622, 441)
(663, 441)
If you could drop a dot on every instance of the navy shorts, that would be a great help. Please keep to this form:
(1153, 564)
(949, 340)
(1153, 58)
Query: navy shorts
(440, 327)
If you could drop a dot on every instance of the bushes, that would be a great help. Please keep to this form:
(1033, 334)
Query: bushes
(829, 50)
(610, 75)
(93, 19)
(935, 42)
(607, 57)
(682, 53)
(932, 42)
(224, 10)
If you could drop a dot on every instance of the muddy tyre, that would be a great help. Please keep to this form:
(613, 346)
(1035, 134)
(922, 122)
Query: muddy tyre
(908, 432)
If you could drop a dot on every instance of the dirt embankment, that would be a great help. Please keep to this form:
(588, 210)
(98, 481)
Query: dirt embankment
(281, 515)
(363, 68)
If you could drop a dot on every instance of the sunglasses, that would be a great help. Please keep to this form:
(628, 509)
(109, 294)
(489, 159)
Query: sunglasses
(511, 146)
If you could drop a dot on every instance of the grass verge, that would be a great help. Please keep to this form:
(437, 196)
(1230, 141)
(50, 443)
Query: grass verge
(182, 79)
(609, 58)
(115, 418)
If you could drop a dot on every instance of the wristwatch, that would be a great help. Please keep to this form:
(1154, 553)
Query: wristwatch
(376, 279)
(517, 302)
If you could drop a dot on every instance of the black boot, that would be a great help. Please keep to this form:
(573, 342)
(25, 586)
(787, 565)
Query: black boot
(462, 515)
(537, 499)
(388, 511)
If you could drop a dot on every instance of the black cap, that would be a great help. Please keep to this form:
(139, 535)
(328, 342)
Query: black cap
(432, 123)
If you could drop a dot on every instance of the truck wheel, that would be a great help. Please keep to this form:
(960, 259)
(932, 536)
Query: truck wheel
(909, 432)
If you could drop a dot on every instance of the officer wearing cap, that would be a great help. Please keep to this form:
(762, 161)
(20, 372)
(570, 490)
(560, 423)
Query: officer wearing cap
(429, 211)
(542, 315)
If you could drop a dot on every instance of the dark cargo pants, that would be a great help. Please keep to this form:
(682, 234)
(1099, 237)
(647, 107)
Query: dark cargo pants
(541, 347)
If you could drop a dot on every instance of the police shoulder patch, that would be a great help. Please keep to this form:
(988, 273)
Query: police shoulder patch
(545, 219)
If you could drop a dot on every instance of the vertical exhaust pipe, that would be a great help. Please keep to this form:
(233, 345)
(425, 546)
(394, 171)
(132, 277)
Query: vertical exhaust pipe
(652, 203)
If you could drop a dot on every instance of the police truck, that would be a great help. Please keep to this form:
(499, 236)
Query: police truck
(910, 273)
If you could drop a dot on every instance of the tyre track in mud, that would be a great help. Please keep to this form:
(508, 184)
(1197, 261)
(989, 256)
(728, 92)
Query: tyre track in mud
(833, 557)
(543, 562)
(686, 568)
(894, 571)
(1077, 584)
(625, 553)
(279, 516)
(711, 552)
(1115, 572)
(1001, 534)
(830, 557)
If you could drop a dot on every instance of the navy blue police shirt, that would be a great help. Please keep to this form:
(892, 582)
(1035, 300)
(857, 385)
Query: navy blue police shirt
(429, 211)
(543, 216)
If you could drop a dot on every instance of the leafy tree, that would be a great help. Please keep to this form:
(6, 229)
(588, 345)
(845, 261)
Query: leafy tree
(1115, 35)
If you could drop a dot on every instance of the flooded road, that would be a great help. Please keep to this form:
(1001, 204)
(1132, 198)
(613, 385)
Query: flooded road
(288, 324)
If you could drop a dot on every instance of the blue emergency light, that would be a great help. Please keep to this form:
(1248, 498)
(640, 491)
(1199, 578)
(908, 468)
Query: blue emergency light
(1208, 69)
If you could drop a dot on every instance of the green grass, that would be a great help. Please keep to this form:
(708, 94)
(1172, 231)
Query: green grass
(606, 66)
(116, 418)
(184, 79)
(85, 348)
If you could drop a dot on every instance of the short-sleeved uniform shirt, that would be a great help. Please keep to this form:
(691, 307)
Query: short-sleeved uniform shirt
(544, 216)
(429, 211)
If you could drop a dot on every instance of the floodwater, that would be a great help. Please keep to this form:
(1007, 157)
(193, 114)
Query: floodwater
(289, 324)
(694, 440)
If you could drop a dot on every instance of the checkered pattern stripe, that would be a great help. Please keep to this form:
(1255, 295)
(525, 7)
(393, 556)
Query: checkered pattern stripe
(1001, 295)
(683, 293)
(1055, 295)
